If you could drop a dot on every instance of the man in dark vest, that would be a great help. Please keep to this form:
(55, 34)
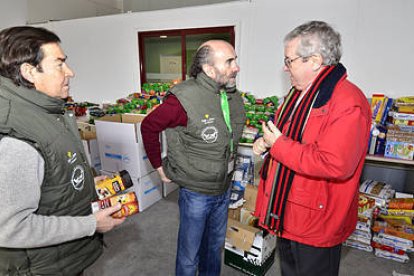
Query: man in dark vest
(203, 118)
(46, 223)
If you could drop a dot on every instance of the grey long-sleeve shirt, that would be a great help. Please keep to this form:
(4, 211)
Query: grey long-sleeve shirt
(21, 177)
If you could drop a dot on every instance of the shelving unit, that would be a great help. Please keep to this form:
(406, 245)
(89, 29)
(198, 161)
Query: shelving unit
(389, 161)
(246, 145)
(399, 173)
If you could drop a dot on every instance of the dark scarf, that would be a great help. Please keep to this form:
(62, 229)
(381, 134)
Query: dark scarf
(317, 96)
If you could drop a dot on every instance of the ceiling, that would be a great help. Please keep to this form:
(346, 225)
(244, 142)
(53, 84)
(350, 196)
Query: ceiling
(40, 11)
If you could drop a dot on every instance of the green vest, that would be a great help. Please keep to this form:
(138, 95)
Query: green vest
(198, 154)
(68, 185)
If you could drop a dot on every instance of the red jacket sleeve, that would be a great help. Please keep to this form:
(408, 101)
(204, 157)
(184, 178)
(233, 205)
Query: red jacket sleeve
(169, 114)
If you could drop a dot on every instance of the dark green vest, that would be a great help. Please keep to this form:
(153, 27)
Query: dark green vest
(67, 188)
(198, 155)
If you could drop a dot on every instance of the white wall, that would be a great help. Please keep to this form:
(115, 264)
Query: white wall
(49, 10)
(40, 11)
(376, 34)
(149, 5)
(12, 13)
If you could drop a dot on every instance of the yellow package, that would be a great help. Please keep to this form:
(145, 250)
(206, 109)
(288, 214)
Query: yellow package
(377, 105)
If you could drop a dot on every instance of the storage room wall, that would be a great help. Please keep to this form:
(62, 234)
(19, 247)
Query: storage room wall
(377, 43)
(12, 13)
(52, 10)
(103, 51)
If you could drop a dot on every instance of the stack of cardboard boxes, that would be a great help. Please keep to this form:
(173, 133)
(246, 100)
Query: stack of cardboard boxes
(88, 136)
(121, 148)
(248, 248)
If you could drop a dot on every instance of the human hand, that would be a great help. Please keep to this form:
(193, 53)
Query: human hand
(164, 178)
(259, 146)
(104, 221)
(270, 133)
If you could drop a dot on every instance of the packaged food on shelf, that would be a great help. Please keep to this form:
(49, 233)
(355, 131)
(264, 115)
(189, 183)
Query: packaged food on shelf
(379, 191)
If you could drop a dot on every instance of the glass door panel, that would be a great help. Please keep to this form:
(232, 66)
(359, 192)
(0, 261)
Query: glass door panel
(163, 58)
(166, 56)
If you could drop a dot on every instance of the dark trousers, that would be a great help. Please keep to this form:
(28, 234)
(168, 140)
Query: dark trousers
(297, 259)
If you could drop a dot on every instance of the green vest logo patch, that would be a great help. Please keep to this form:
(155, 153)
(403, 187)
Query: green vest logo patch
(209, 134)
(78, 178)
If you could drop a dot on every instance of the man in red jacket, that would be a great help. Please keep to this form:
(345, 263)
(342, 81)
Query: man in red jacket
(315, 152)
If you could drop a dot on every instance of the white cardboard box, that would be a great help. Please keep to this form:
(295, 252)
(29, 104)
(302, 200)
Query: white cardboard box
(167, 188)
(249, 242)
(148, 190)
(120, 144)
(92, 154)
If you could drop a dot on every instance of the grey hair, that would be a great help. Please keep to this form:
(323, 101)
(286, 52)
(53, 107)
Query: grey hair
(317, 37)
(202, 56)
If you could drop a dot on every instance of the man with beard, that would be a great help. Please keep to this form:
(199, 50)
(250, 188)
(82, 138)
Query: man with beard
(203, 118)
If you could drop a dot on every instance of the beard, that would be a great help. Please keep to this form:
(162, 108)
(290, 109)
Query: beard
(230, 87)
(226, 82)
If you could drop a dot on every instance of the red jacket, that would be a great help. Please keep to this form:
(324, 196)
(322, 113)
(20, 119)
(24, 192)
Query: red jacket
(321, 209)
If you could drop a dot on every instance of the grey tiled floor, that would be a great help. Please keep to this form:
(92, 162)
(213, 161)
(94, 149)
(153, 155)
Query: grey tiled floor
(145, 245)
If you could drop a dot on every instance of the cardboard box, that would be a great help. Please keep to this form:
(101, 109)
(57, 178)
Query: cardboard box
(148, 190)
(168, 188)
(120, 144)
(250, 195)
(86, 131)
(247, 218)
(92, 154)
(234, 214)
(237, 261)
(240, 235)
(248, 249)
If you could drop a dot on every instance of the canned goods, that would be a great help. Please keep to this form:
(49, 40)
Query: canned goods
(128, 201)
(112, 186)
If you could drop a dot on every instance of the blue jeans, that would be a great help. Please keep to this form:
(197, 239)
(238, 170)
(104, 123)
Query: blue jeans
(203, 222)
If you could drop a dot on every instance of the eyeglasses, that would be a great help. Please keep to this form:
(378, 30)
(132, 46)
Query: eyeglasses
(289, 61)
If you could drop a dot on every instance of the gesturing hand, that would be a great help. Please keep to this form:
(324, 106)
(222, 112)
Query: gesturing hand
(270, 133)
(259, 146)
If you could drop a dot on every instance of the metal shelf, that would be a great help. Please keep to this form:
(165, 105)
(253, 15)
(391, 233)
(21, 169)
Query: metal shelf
(246, 144)
(389, 161)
